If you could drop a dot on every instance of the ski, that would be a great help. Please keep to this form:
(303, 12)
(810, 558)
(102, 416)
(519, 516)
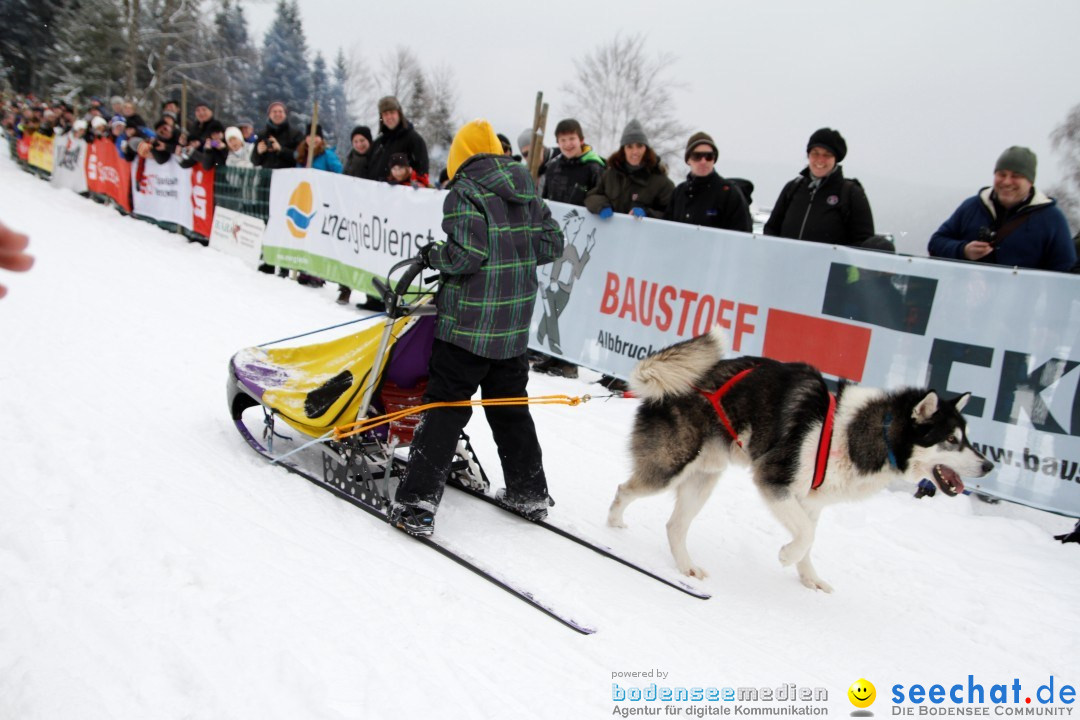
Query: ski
(571, 534)
(362, 493)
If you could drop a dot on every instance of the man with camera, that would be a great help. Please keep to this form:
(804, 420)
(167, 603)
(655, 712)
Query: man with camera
(1010, 223)
(278, 140)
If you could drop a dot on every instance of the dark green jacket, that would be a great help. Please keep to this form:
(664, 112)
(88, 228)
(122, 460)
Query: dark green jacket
(648, 188)
(497, 231)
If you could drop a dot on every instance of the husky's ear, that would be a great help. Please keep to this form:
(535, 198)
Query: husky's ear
(961, 401)
(926, 408)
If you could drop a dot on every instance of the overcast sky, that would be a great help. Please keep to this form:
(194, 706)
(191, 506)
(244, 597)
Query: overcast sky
(925, 92)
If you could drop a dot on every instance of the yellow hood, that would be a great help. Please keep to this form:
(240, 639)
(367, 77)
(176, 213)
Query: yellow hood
(475, 138)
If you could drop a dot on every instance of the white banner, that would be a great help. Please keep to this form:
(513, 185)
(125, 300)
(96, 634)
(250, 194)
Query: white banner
(69, 163)
(161, 191)
(625, 288)
(237, 234)
(345, 229)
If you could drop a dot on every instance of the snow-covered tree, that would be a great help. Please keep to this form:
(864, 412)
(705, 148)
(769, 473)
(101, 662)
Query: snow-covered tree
(86, 57)
(234, 75)
(1066, 141)
(337, 111)
(25, 40)
(284, 74)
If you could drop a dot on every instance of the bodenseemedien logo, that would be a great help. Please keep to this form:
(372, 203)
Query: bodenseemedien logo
(862, 694)
(300, 212)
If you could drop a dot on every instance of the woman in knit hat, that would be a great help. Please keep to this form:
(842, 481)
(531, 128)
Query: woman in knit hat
(634, 182)
(820, 205)
(358, 159)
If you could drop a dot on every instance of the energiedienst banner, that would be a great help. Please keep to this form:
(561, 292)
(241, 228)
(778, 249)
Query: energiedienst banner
(69, 162)
(162, 191)
(625, 288)
(345, 229)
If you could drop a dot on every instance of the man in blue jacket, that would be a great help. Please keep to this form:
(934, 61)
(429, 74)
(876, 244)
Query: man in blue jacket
(1010, 223)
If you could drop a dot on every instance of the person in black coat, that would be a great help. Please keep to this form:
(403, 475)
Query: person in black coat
(576, 170)
(164, 145)
(278, 141)
(396, 135)
(358, 159)
(820, 205)
(705, 198)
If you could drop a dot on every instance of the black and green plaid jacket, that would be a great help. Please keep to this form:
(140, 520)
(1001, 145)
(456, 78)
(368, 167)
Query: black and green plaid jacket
(498, 230)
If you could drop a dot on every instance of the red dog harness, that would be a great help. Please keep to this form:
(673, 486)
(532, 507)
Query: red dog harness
(821, 462)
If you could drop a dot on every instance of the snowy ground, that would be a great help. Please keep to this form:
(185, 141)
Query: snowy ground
(152, 566)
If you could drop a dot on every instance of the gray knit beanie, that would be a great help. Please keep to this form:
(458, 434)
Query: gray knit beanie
(525, 139)
(633, 133)
(1019, 160)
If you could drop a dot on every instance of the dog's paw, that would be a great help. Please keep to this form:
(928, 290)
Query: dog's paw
(792, 553)
(816, 583)
(694, 571)
(616, 522)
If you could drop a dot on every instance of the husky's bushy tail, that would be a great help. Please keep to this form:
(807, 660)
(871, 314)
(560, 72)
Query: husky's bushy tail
(675, 370)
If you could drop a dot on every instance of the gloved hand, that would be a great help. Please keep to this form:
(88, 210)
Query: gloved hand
(637, 212)
(606, 212)
(424, 254)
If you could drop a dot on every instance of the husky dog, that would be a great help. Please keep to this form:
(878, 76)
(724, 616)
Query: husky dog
(776, 412)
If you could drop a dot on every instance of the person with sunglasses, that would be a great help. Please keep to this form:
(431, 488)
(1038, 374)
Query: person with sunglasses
(705, 198)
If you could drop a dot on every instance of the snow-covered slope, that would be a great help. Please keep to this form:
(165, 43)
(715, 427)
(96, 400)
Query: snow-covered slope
(152, 566)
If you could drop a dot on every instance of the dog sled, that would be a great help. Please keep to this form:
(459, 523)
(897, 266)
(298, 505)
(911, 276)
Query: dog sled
(339, 412)
(304, 407)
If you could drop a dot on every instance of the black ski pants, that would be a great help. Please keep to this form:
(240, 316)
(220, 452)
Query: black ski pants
(455, 374)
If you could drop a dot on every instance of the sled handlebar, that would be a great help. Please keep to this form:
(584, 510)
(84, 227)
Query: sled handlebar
(391, 297)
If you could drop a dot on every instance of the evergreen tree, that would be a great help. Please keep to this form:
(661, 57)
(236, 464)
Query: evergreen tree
(26, 40)
(87, 56)
(338, 110)
(320, 93)
(284, 73)
(234, 75)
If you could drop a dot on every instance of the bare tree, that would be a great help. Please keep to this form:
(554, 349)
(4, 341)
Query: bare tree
(360, 89)
(399, 73)
(1066, 140)
(620, 81)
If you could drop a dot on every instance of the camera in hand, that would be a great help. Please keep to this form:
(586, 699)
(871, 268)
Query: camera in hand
(988, 236)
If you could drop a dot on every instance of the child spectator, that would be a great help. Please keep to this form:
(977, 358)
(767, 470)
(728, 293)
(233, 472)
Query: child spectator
(401, 173)
(239, 150)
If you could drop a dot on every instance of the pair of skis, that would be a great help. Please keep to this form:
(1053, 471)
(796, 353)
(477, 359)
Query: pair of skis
(373, 504)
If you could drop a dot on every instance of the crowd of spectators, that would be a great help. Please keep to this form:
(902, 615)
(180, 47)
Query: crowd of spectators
(1008, 222)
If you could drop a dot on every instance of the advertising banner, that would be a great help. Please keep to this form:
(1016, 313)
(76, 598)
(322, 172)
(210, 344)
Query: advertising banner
(69, 163)
(22, 148)
(344, 229)
(202, 200)
(162, 191)
(624, 289)
(107, 173)
(237, 234)
(40, 154)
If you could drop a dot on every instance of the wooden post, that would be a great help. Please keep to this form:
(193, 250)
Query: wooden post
(312, 135)
(183, 107)
(536, 147)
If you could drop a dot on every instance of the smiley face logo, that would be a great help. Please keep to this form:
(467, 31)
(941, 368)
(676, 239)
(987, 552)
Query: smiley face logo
(862, 693)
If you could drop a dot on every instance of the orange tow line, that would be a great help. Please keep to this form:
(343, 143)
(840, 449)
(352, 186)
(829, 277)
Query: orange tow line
(350, 429)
